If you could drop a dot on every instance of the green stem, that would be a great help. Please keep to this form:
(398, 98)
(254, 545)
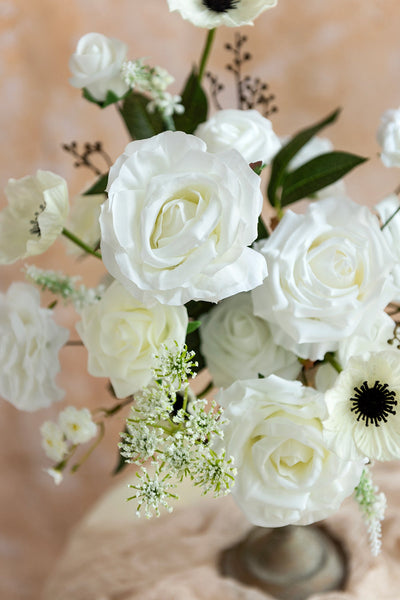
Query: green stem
(332, 361)
(68, 234)
(169, 123)
(206, 52)
(207, 389)
(92, 447)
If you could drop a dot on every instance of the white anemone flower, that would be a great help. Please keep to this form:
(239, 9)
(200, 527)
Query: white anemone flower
(363, 405)
(35, 216)
(213, 13)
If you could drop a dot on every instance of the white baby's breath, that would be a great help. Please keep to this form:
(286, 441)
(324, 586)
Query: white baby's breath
(53, 441)
(77, 424)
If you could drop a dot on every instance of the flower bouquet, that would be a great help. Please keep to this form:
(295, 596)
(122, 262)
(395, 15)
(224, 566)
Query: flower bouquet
(209, 265)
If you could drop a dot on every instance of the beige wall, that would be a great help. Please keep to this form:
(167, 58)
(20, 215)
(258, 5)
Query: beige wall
(316, 55)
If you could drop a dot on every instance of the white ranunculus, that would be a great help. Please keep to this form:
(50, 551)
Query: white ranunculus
(77, 424)
(84, 221)
(213, 13)
(238, 345)
(96, 65)
(363, 405)
(178, 221)
(35, 216)
(244, 130)
(363, 342)
(315, 147)
(328, 272)
(386, 209)
(388, 137)
(122, 335)
(285, 473)
(30, 342)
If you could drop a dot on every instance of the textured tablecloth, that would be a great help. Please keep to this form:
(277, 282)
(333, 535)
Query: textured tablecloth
(114, 556)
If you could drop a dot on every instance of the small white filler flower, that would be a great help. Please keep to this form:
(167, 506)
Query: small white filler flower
(363, 405)
(77, 424)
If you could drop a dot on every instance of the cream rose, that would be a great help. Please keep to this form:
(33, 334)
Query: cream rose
(244, 130)
(30, 342)
(122, 336)
(35, 216)
(285, 473)
(238, 345)
(213, 13)
(96, 65)
(178, 221)
(328, 272)
(388, 137)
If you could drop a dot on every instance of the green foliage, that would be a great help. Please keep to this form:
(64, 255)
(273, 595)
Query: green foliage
(196, 106)
(99, 186)
(192, 326)
(316, 174)
(111, 98)
(140, 123)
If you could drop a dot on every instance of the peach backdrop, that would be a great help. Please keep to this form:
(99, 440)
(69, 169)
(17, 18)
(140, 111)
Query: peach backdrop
(316, 55)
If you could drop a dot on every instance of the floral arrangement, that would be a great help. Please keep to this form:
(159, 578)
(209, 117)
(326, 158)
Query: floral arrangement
(293, 314)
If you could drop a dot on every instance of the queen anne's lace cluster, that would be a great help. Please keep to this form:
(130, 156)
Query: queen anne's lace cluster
(178, 441)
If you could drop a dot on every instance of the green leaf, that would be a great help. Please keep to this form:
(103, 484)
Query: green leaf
(285, 155)
(196, 106)
(192, 326)
(98, 187)
(111, 98)
(193, 342)
(196, 308)
(317, 174)
(262, 232)
(140, 123)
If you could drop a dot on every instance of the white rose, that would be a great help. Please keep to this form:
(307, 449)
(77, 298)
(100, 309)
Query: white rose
(388, 137)
(77, 424)
(30, 341)
(213, 13)
(315, 147)
(96, 65)
(84, 221)
(122, 336)
(178, 221)
(35, 216)
(244, 130)
(362, 343)
(328, 272)
(285, 473)
(391, 232)
(238, 345)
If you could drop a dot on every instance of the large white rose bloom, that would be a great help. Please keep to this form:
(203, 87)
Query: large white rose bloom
(122, 336)
(388, 137)
(238, 345)
(315, 147)
(246, 131)
(285, 473)
(35, 216)
(362, 342)
(363, 405)
(84, 221)
(386, 209)
(30, 342)
(178, 221)
(96, 65)
(328, 272)
(213, 13)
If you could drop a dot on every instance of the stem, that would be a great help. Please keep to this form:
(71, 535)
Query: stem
(206, 53)
(207, 389)
(92, 447)
(74, 343)
(390, 218)
(169, 123)
(68, 234)
(332, 361)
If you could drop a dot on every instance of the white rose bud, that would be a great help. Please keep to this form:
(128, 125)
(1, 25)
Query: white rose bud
(285, 472)
(213, 13)
(122, 335)
(388, 137)
(328, 272)
(96, 66)
(238, 345)
(35, 216)
(178, 221)
(244, 130)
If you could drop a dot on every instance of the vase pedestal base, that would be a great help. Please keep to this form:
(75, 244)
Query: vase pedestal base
(290, 563)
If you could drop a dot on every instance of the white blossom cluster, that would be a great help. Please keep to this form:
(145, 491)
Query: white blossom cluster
(372, 505)
(65, 286)
(152, 81)
(175, 431)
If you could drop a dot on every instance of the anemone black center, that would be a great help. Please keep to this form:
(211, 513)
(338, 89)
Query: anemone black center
(373, 404)
(35, 229)
(220, 6)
